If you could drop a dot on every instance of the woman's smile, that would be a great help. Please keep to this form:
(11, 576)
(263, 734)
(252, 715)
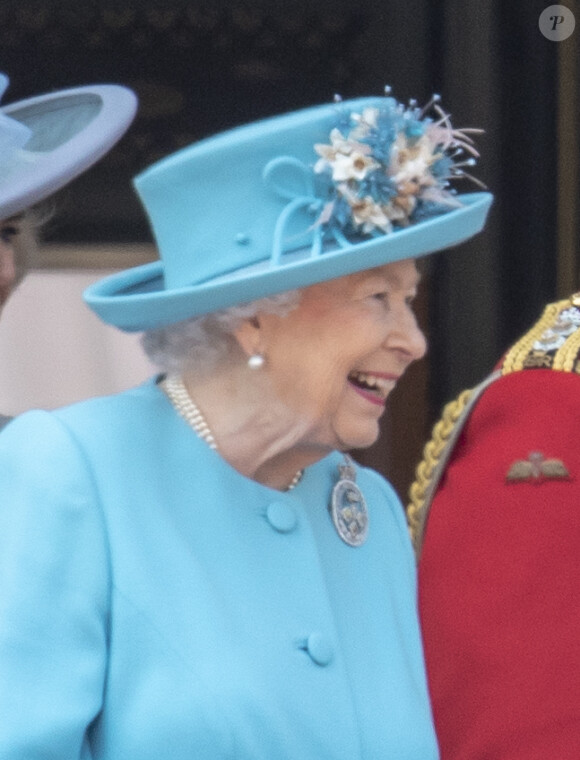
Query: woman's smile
(372, 386)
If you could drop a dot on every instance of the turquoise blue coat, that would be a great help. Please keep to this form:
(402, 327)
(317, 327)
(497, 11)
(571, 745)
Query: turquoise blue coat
(156, 605)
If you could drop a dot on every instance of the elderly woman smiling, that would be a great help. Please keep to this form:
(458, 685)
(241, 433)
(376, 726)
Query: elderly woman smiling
(196, 567)
(295, 376)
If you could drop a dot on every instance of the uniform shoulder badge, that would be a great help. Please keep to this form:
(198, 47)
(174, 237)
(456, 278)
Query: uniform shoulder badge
(537, 468)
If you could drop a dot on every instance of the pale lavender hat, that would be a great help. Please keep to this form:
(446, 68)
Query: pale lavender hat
(47, 141)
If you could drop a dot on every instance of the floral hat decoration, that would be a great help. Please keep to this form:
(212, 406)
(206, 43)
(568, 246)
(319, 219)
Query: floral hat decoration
(390, 166)
(293, 200)
(48, 140)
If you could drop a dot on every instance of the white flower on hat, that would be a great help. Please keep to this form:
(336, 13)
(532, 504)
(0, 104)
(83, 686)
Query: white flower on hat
(355, 166)
(347, 159)
(370, 215)
(412, 163)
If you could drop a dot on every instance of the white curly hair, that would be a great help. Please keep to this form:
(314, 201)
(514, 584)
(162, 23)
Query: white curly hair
(202, 343)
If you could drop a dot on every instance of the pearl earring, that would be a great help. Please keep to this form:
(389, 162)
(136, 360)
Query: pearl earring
(256, 361)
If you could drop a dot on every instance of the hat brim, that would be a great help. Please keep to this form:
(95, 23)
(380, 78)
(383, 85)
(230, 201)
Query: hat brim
(71, 130)
(136, 299)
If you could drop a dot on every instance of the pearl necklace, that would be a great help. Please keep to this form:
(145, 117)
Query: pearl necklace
(182, 402)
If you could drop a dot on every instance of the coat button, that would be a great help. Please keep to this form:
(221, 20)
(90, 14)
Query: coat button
(319, 649)
(281, 516)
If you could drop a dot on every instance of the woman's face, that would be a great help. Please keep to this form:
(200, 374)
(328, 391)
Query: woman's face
(335, 358)
(10, 229)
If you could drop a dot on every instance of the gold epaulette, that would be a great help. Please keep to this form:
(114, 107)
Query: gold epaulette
(552, 343)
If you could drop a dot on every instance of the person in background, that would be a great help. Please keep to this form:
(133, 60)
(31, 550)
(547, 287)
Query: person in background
(494, 515)
(17, 249)
(45, 142)
(196, 567)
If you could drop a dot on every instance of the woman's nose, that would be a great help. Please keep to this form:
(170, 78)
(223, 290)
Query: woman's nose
(407, 337)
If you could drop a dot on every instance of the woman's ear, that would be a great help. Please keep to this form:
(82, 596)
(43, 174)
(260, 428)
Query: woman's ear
(249, 336)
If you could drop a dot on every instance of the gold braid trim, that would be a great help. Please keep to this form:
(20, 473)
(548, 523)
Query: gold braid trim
(566, 358)
(533, 351)
(431, 456)
(519, 352)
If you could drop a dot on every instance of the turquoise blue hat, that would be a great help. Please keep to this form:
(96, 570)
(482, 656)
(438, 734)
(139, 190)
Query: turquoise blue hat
(291, 201)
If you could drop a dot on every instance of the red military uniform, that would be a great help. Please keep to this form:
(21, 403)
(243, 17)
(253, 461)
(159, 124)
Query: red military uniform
(495, 516)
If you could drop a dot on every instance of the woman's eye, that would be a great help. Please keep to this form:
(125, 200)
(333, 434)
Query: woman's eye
(382, 297)
(8, 233)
